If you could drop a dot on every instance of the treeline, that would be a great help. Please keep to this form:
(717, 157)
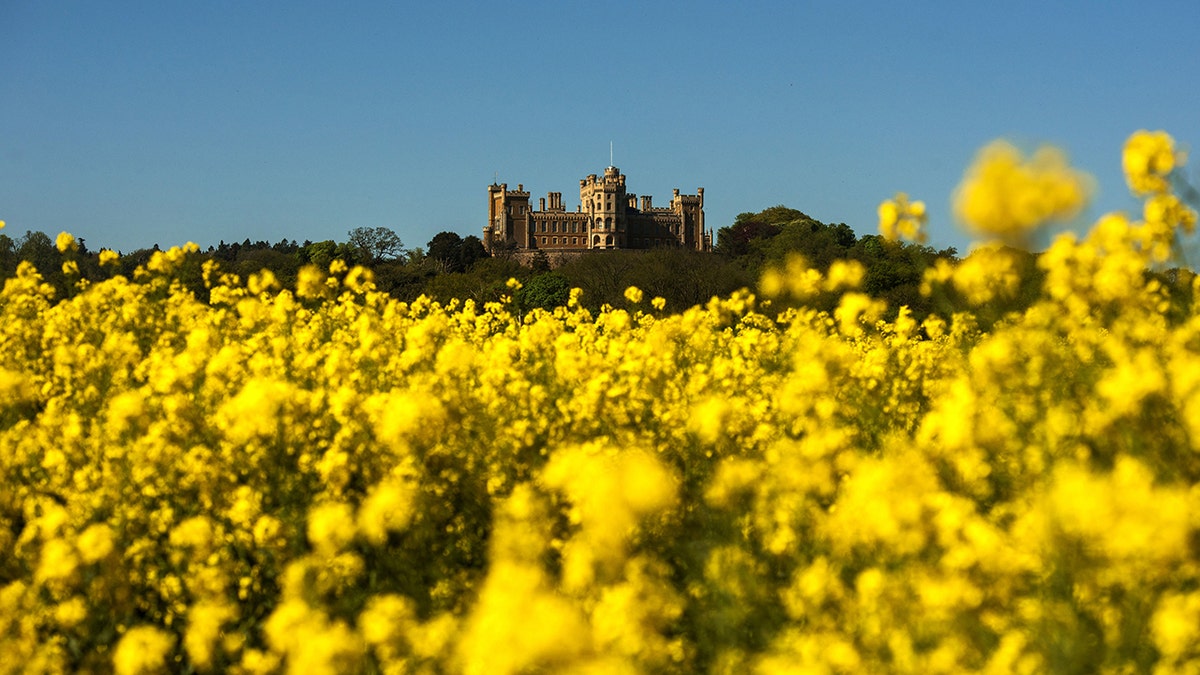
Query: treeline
(450, 266)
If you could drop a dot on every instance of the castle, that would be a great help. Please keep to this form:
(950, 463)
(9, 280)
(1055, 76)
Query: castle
(607, 218)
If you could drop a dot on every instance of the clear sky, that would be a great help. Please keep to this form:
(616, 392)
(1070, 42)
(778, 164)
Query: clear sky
(136, 123)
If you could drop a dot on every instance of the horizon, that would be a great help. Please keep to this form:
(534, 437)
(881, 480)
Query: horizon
(164, 124)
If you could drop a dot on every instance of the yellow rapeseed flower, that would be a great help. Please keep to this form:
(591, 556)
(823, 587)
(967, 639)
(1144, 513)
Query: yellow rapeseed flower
(1148, 159)
(58, 561)
(95, 543)
(204, 622)
(901, 219)
(143, 649)
(310, 282)
(65, 242)
(330, 527)
(1005, 195)
(387, 508)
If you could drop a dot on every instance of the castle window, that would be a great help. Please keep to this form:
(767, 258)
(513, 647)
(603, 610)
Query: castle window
(556, 241)
(543, 241)
(574, 241)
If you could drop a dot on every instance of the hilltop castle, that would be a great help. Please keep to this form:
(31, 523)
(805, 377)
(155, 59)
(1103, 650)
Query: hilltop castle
(607, 218)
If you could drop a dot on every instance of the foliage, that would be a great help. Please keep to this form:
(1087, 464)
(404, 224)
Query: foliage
(323, 253)
(734, 241)
(485, 282)
(543, 291)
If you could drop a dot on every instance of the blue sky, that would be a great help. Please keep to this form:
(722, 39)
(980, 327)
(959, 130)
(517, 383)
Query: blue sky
(135, 123)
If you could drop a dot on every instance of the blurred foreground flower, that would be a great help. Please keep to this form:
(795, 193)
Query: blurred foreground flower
(1005, 196)
(66, 242)
(1148, 158)
(902, 219)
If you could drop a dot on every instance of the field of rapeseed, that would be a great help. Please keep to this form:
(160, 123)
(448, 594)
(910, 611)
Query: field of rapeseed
(333, 481)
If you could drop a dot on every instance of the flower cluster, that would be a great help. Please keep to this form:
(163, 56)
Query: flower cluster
(1006, 195)
(333, 481)
(900, 218)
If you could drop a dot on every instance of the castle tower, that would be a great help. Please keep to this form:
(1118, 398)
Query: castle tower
(508, 217)
(690, 210)
(605, 202)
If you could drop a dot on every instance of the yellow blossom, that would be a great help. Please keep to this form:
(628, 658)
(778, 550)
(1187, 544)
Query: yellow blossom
(845, 274)
(387, 508)
(95, 543)
(901, 219)
(205, 619)
(330, 527)
(1005, 195)
(58, 562)
(143, 649)
(262, 282)
(310, 282)
(72, 612)
(65, 242)
(1148, 158)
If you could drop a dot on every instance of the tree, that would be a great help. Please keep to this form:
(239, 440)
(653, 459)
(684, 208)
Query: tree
(445, 250)
(471, 252)
(38, 248)
(414, 257)
(547, 291)
(376, 244)
(8, 256)
(735, 240)
(322, 253)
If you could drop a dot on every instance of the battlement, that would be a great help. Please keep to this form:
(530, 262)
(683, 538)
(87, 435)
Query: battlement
(613, 178)
(503, 188)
